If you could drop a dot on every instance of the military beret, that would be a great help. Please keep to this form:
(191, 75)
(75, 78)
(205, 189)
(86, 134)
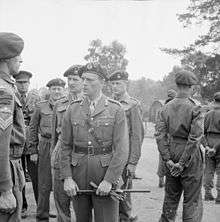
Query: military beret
(217, 97)
(23, 76)
(184, 77)
(94, 68)
(118, 75)
(56, 82)
(74, 70)
(171, 93)
(11, 45)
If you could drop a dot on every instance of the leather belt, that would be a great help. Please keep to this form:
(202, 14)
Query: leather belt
(90, 150)
(179, 139)
(46, 136)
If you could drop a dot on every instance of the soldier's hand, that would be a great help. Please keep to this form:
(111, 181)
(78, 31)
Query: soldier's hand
(34, 158)
(211, 152)
(70, 187)
(176, 170)
(131, 169)
(104, 188)
(170, 165)
(7, 202)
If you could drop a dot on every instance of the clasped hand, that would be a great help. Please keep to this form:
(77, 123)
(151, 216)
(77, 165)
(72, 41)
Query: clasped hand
(174, 168)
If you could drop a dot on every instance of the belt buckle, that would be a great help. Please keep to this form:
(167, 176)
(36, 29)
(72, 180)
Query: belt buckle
(91, 150)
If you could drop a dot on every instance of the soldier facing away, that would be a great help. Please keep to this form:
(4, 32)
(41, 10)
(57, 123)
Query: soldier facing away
(94, 147)
(62, 200)
(12, 130)
(119, 83)
(178, 133)
(39, 146)
(212, 141)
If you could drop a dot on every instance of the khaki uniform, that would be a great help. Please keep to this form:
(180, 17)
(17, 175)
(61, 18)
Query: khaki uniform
(12, 137)
(136, 134)
(40, 142)
(86, 158)
(62, 200)
(28, 106)
(212, 138)
(181, 121)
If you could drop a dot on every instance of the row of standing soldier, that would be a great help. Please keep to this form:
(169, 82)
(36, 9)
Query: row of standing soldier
(100, 140)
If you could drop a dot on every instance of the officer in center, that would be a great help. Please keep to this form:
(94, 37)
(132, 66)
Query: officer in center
(131, 106)
(94, 148)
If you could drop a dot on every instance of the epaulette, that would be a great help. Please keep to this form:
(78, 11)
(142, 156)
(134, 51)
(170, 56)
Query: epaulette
(114, 101)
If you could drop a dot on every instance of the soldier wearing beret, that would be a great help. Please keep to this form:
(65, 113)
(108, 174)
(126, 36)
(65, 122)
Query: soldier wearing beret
(23, 83)
(62, 200)
(178, 133)
(94, 147)
(39, 146)
(12, 129)
(119, 82)
(212, 139)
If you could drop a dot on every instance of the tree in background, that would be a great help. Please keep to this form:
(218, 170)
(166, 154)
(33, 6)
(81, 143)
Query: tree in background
(205, 65)
(203, 12)
(111, 57)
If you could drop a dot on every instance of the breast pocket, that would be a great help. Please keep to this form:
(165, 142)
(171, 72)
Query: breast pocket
(79, 129)
(46, 119)
(105, 128)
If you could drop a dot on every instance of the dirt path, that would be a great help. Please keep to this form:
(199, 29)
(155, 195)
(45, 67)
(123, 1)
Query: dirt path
(146, 206)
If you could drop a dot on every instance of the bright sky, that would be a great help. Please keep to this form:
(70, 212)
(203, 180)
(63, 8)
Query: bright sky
(57, 33)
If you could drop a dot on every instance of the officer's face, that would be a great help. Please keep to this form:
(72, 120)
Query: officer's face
(23, 86)
(56, 92)
(92, 84)
(14, 65)
(119, 86)
(75, 83)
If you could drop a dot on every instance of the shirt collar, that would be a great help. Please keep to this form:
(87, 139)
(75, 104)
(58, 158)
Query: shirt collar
(96, 100)
(7, 77)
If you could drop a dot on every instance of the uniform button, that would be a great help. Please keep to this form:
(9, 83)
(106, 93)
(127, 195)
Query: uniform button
(89, 143)
(92, 118)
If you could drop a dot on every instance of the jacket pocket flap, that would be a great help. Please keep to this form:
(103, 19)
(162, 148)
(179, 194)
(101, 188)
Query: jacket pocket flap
(76, 159)
(105, 160)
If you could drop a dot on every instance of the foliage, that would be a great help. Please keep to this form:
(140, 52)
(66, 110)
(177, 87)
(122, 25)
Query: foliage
(204, 12)
(111, 57)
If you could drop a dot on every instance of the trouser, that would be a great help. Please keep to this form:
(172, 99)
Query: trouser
(24, 163)
(161, 170)
(61, 199)
(18, 184)
(105, 208)
(44, 180)
(125, 206)
(32, 170)
(189, 183)
(212, 166)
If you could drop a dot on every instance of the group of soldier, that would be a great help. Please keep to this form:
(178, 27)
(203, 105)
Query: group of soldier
(85, 140)
(66, 143)
(188, 139)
